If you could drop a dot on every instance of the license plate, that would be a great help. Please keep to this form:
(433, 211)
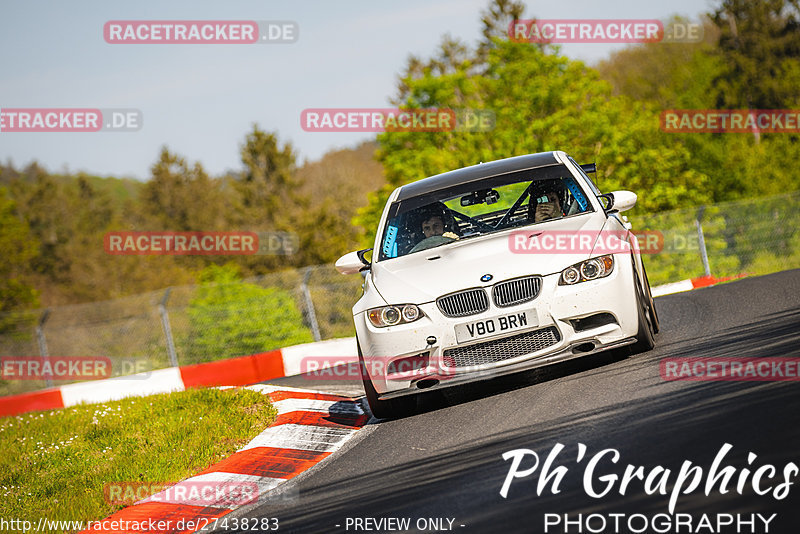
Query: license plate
(496, 325)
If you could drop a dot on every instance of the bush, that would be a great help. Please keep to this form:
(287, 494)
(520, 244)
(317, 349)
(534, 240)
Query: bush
(231, 318)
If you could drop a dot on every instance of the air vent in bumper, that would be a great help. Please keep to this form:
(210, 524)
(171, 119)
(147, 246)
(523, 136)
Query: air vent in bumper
(498, 350)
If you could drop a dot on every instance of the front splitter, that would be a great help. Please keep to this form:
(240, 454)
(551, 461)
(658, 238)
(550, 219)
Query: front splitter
(456, 379)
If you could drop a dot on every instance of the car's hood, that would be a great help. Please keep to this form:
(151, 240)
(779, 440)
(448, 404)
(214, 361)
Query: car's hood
(424, 276)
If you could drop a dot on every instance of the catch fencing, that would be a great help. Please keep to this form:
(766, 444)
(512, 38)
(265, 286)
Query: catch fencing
(184, 325)
(754, 236)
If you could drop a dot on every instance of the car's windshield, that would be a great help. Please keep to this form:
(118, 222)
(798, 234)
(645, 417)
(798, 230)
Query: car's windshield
(482, 207)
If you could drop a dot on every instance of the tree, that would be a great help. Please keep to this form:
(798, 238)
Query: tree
(337, 186)
(17, 248)
(267, 185)
(693, 76)
(230, 317)
(67, 217)
(670, 75)
(182, 198)
(759, 46)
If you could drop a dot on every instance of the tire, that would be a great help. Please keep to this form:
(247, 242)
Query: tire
(651, 308)
(645, 337)
(383, 409)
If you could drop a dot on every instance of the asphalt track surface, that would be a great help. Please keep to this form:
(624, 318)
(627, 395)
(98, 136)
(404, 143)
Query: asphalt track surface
(446, 460)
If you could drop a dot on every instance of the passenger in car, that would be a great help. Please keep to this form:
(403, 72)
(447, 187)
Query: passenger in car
(546, 201)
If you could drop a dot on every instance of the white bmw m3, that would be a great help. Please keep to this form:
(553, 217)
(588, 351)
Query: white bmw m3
(494, 269)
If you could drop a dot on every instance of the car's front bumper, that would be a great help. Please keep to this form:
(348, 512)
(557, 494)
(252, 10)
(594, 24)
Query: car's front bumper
(556, 307)
(432, 382)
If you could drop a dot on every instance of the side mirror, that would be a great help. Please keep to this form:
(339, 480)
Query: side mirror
(353, 262)
(618, 201)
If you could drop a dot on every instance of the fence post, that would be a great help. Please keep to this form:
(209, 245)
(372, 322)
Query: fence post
(162, 310)
(309, 304)
(40, 339)
(702, 241)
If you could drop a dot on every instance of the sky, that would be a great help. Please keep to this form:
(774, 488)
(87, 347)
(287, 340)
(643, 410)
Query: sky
(200, 100)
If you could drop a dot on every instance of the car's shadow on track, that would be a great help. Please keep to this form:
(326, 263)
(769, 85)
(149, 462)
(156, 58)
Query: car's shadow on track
(431, 401)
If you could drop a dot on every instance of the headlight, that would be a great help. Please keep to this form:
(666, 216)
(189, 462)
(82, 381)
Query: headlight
(587, 270)
(390, 316)
(393, 315)
(571, 275)
(591, 269)
(410, 313)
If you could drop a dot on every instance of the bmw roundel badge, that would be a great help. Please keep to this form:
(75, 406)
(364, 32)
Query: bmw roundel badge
(486, 277)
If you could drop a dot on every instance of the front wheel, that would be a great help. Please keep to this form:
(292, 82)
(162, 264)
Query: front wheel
(383, 409)
(645, 336)
(651, 304)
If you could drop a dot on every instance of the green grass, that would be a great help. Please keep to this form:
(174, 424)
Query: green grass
(55, 464)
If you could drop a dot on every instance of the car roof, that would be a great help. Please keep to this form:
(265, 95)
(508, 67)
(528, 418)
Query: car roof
(476, 173)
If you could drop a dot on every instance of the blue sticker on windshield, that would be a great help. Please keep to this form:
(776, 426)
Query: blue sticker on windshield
(389, 245)
(577, 194)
